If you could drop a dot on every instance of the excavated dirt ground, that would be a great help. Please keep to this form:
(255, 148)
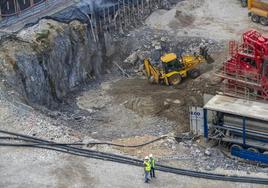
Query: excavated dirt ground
(132, 111)
(162, 101)
(151, 100)
(115, 119)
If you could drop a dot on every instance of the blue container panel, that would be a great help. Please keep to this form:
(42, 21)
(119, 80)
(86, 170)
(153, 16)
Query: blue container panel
(249, 155)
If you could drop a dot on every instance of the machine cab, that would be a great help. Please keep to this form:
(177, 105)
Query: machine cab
(170, 63)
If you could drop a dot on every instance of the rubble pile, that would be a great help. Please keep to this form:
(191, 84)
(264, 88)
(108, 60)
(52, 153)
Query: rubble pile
(153, 44)
(210, 159)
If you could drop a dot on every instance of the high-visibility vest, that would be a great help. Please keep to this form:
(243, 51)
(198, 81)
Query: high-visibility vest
(147, 166)
(152, 161)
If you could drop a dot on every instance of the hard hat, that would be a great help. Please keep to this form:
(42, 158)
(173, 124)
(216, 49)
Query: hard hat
(151, 155)
(146, 158)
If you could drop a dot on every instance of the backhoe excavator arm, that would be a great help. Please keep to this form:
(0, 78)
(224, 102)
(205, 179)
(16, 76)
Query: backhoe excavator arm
(152, 73)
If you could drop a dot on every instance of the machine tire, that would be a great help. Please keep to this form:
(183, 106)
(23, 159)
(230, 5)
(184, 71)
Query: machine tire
(175, 79)
(236, 146)
(255, 18)
(194, 73)
(253, 150)
(244, 3)
(264, 21)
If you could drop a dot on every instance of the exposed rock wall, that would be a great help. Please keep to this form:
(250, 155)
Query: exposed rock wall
(45, 62)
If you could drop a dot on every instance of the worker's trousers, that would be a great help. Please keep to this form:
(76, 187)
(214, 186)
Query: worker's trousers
(146, 174)
(152, 172)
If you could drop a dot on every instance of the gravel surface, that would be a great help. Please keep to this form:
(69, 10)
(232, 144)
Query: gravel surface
(35, 168)
(219, 20)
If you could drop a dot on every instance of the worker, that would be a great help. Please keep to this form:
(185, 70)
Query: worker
(147, 169)
(152, 163)
(204, 50)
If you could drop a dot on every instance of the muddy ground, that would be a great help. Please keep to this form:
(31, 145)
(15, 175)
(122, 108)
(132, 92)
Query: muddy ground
(132, 111)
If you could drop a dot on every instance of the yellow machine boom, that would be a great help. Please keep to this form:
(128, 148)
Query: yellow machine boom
(152, 73)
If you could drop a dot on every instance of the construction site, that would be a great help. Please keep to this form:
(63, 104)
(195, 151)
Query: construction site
(91, 89)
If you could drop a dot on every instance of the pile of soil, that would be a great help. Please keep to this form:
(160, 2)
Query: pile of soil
(158, 100)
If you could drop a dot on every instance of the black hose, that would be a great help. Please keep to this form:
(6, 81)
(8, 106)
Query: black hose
(136, 162)
(128, 146)
(73, 153)
(38, 143)
(90, 155)
(165, 168)
(95, 143)
(160, 167)
(68, 147)
(38, 140)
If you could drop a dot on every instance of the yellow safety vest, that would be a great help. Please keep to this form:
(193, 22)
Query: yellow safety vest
(147, 167)
(152, 161)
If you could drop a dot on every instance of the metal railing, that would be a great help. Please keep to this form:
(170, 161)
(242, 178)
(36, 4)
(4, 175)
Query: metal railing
(14, 23)
(240, 83)
(18, 10)
(232, 71)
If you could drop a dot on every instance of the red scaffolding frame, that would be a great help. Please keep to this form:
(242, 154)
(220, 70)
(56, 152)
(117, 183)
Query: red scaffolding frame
(240, 82)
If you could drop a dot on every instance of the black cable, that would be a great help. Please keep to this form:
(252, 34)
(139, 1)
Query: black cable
(170, 169)
(136, 162)
(96, 143)
(38, 140)
(52, 144)
(131, 162)
(35, 144)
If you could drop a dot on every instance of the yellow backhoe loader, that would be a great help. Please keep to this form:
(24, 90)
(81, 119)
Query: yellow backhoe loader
(172, 69)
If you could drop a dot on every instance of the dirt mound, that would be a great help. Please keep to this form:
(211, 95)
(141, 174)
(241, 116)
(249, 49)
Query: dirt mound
(159, 100)
(219, 20)
(144, 105)
(185, 19)
(145, 98)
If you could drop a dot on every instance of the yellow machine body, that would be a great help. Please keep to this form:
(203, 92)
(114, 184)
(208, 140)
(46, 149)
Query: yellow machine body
(168, 57)
(187, 64)
(258, 7)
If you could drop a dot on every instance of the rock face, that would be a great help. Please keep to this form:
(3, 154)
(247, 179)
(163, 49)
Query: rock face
(45, 62)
